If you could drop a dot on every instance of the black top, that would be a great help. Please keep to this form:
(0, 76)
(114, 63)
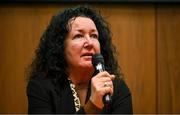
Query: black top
(46, 96)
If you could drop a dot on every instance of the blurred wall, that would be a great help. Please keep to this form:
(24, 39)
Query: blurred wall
(147, 41)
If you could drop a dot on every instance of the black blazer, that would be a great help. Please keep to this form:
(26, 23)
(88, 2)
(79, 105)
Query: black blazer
(46, 96)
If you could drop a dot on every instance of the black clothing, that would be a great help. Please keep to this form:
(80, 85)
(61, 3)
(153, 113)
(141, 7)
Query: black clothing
(46, 96)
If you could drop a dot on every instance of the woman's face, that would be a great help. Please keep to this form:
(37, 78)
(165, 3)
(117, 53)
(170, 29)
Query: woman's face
(81, 43)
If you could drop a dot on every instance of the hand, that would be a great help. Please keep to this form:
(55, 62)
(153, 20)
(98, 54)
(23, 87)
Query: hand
(101, 84)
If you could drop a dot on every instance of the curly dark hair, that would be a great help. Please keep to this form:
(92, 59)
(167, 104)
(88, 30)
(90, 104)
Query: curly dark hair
(50, 59)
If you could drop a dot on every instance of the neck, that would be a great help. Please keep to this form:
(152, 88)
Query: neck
(80, 77)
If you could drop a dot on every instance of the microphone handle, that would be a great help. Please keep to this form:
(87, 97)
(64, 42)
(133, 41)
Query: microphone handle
(106, 97)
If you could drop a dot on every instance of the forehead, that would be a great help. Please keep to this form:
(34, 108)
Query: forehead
(81, 22)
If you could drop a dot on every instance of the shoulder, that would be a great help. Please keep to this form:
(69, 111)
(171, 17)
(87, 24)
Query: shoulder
(121, 98)
(119, 82)
(120, 87)
(39, 84)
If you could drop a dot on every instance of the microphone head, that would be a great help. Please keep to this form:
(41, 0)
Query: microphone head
(96, 59)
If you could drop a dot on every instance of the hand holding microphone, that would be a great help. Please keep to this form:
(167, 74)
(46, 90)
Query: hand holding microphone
(102, 86)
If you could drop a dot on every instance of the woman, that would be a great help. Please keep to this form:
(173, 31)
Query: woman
(63, 79)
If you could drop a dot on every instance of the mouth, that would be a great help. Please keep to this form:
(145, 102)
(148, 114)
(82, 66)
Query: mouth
(87, 55)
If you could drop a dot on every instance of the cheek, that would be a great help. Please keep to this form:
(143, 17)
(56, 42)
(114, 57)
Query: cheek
(97, 47)
(73, 50)
(70, 55)
(76, 47)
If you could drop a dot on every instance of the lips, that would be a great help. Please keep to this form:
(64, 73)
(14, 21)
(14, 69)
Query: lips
(87, 54)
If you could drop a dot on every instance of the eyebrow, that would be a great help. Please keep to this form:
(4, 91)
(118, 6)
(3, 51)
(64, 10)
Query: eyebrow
(81, 30)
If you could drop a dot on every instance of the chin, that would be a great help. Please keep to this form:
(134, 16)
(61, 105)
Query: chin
(88, 66)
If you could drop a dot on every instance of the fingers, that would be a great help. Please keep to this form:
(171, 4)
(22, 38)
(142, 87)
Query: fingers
(103, 79)
(101, 84)
(108, 84)
(105, 74)
(98, 90)
(107, 88)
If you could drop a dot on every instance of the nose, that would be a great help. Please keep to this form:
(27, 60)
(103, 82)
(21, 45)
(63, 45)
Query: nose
(88, 42)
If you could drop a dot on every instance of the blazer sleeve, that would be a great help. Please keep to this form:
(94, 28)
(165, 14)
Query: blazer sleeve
(122, 99)
(38, 99)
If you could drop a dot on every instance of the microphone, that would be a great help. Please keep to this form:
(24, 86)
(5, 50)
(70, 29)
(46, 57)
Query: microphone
(98, 63)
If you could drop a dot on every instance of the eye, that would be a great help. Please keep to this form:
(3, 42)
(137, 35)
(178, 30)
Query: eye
(95, 36)
(78, 36)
